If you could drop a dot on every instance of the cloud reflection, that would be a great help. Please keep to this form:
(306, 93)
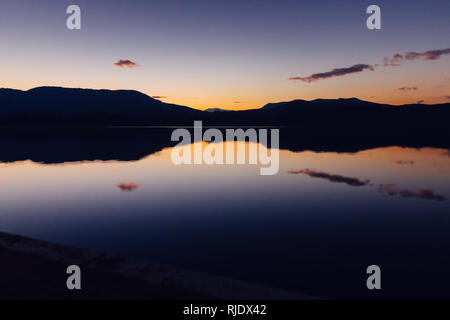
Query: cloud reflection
(389, 189)
(128, 186)
(405, 162)
(392, 190)
(354, 182)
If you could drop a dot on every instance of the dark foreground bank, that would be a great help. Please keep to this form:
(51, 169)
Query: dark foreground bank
(34, 269)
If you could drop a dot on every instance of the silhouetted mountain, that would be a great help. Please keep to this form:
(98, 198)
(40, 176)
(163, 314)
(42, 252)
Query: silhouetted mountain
(328, 122)
(348, 119)
(61, 106)
(323, 104)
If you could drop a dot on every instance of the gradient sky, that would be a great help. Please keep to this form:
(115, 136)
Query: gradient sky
(233, 54)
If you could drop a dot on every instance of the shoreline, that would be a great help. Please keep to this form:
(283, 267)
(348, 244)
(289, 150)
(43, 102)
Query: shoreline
(36, 269)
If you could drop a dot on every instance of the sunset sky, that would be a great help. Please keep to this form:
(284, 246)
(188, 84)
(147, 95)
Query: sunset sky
(234, 54)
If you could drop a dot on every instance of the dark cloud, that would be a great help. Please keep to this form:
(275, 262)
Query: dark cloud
(420, 101)
(126, 63)
(128, 186)
(236, 102)
(391, 189)
(331, 177)
(334, 73)
(159, 97)
(427, 55)
(395, 60)
(408, 88)
(398, 58)
(403, 162)
(447, 97)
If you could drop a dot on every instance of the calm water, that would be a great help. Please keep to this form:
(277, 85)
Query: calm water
(313, 231)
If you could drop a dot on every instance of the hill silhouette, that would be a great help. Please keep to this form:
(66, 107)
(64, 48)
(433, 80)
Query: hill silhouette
(57, 106)
(326, 123)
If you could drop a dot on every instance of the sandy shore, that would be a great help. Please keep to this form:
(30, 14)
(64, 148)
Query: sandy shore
(35, 269)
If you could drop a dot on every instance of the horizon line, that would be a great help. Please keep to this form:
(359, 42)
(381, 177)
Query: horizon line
(205, 109)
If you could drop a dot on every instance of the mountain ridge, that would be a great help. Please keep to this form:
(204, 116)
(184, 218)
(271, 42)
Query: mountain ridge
(136, 93)
(74, 106)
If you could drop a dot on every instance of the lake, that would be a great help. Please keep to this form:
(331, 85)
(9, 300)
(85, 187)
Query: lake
(314, 227)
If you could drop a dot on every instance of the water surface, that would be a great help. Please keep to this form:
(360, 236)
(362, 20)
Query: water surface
(314, 227)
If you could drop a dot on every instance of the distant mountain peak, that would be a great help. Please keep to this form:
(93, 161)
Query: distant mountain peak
(216, 110)
(325, 102)
(339, 99)
(55, 90)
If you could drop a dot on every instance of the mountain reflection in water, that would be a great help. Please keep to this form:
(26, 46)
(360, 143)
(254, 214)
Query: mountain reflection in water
(315, 231)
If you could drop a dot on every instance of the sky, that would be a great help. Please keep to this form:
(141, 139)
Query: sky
(234, 54)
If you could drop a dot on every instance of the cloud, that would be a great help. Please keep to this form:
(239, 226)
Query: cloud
(126, 63)
(389, 189)
(425, 194)
(447, 97)
(159, 97)
(331, 177)
(336, 72)
(402, 162)
(427, 55)
(420, 101)
(236, 102)
(128, 186)
(397, 59)
(407, 88)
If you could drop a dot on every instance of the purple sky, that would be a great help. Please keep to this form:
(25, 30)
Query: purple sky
(231, 54)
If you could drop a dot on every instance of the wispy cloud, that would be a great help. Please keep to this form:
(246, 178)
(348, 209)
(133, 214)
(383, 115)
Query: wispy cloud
(427, 55)
(159, 97)
(336, 72)
(126, 63)
(408, 88)
(425, 194)
(354, 182)
(397, 59)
